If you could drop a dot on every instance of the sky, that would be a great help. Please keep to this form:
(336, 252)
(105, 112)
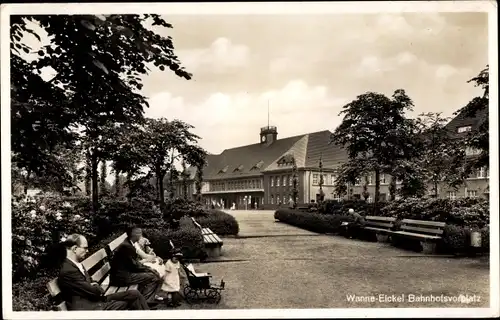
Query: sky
(306, 67)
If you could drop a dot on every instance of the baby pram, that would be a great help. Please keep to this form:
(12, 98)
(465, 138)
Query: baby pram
(199, 287)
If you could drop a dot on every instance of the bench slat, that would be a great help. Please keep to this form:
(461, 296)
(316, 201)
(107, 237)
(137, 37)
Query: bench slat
(422, 230)
(417, 235)
(122, 289)
(391, 219)
(62, 306)
(206, 231)
(208, 238)
(378, 229)
(424, 222)
(217, 238)
(379, 224)
(53, 287)
(111, 290)
(115, 243)
(94, 259)
(133, 287)
(100, 274)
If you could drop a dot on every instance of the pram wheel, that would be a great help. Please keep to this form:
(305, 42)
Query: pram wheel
(190, 295)
(214, 296)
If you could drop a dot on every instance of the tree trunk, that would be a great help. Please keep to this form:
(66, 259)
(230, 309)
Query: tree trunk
(435, 189)
(366, 194)
(159, 184)
(377, 190)
(129, 181)
(103, 177)
(117, 183)
(95, 182)
(88, 176)
(162, 191)
(392, 189)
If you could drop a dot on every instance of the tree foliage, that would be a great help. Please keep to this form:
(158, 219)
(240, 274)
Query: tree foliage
(98, 62)
(478, 138)
(162, 144)
(376, 135)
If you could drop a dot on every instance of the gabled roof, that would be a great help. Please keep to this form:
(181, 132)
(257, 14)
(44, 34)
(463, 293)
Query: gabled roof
(463, 120)
(332, 156)
(254, 159)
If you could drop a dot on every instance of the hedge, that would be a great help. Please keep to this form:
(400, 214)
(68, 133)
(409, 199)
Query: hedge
(315, 222)
(219, 222)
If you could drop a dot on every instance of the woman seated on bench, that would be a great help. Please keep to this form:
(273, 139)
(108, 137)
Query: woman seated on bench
(170, 271)
(148, 257)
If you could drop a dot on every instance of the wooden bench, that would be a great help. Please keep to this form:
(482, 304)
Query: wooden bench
(213, 244)
(428, 232)
(382, 226)
(98, 268)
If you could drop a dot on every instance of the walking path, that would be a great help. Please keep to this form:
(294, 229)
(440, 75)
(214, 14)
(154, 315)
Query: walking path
(274, 265)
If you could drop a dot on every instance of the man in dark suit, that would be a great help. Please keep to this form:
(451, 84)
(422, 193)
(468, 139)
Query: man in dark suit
(126, 269)
(81, 293)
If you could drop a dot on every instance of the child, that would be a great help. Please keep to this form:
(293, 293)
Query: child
(172, 283)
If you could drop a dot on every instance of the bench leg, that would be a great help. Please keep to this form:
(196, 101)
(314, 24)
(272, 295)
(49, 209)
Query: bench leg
(382, 237)
(428, 247)
(213, 252)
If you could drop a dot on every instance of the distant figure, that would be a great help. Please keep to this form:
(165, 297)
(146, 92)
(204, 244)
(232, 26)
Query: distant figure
(353, 229)
(291, 203)
(234, 206)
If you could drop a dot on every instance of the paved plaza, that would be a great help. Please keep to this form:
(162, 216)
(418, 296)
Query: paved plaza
(274, 265)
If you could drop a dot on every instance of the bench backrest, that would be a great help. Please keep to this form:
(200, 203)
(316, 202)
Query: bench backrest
(98, 261)
(196, 223)
(423, 226)
(380, 222)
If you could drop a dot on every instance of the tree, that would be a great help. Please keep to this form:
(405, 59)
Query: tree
(441, 156)
(375, 133)
(479, 137)
(98, 62)
(163, 143)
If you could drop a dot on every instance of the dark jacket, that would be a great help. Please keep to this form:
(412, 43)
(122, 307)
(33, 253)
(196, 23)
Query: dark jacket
(125, 261)
(77, 289)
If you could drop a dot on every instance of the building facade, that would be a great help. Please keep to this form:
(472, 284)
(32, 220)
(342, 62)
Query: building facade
(260, 175)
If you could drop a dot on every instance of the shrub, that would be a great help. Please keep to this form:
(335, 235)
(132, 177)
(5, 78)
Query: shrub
(336, 207)
(118, 215)
(31, 294)
(219, 222)
(38, 225)
(485, 239)
(179, 207)
(188, 239)
(456, 239)
(465, 212)
(315, 222)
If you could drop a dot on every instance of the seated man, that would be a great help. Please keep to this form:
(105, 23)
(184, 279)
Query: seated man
(354, 228)
(81, 293)
(126, 269)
